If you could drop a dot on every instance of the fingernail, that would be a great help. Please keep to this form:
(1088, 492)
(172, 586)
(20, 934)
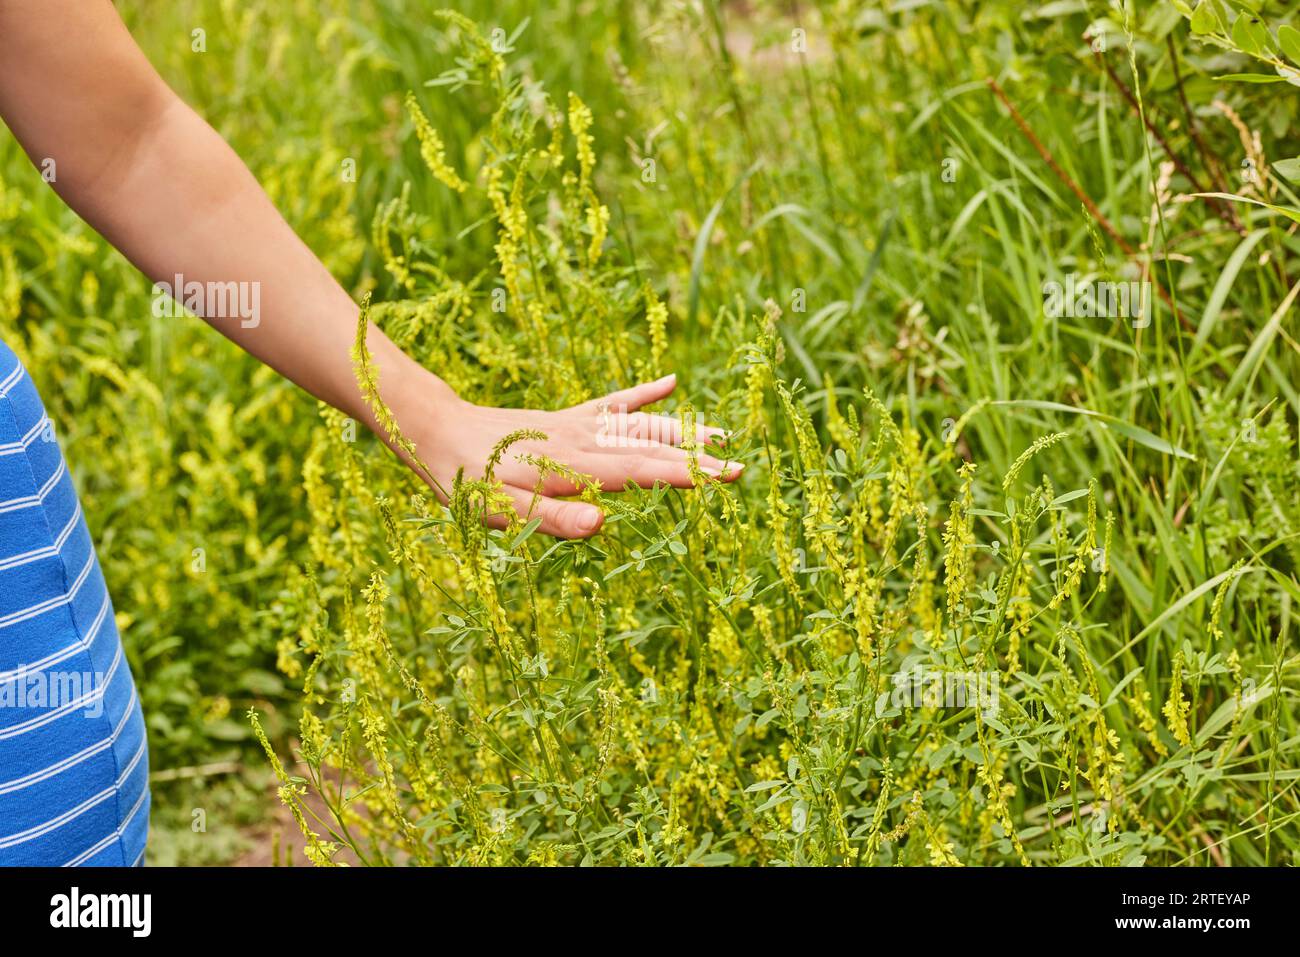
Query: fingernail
(735, 468)
(589, 519)
(670, 377)
(711, 472)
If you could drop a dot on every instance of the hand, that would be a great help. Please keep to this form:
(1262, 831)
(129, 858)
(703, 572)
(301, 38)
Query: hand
(606, 439)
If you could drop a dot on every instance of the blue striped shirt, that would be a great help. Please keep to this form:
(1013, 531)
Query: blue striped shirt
(74, 766)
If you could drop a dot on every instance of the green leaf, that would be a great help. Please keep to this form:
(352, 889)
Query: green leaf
(1251, 78)
(1223, 286)
(1127, 429)
(1249, 364)
(1291, 214)
(1179, 605)
(1204, 19)
(263, 683)
(1250, 34)
(1058, 8)
(702, 244)
(1288, 169)
(1068, 497)
(524, 533)
(1124, 683)
(1289, 39)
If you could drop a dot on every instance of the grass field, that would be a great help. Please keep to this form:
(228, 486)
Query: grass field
(996, 300)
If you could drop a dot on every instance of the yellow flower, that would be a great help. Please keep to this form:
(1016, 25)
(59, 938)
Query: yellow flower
(598, 224)
(656, 317)
(958, 542)
(580, 121)
(432, 150)
(1176, 706)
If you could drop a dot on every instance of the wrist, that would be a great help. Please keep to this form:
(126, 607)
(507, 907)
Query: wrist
(423, 404)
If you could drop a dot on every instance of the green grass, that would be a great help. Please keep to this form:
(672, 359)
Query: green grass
(867, 216)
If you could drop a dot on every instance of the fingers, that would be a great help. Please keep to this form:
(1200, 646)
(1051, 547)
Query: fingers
(664, 429)
(629, 400)
(617, 418)
(645, 465)
(649, 465)
(642, 426)
(559, 519)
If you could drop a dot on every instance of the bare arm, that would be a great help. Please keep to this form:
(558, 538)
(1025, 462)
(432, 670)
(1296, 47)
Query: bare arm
(162, 186)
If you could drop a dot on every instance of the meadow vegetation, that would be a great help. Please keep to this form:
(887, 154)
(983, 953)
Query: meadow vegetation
(1000, 584)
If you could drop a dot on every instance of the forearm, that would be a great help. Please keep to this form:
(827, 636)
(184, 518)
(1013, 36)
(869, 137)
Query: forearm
(187, 206)
(163, 187)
